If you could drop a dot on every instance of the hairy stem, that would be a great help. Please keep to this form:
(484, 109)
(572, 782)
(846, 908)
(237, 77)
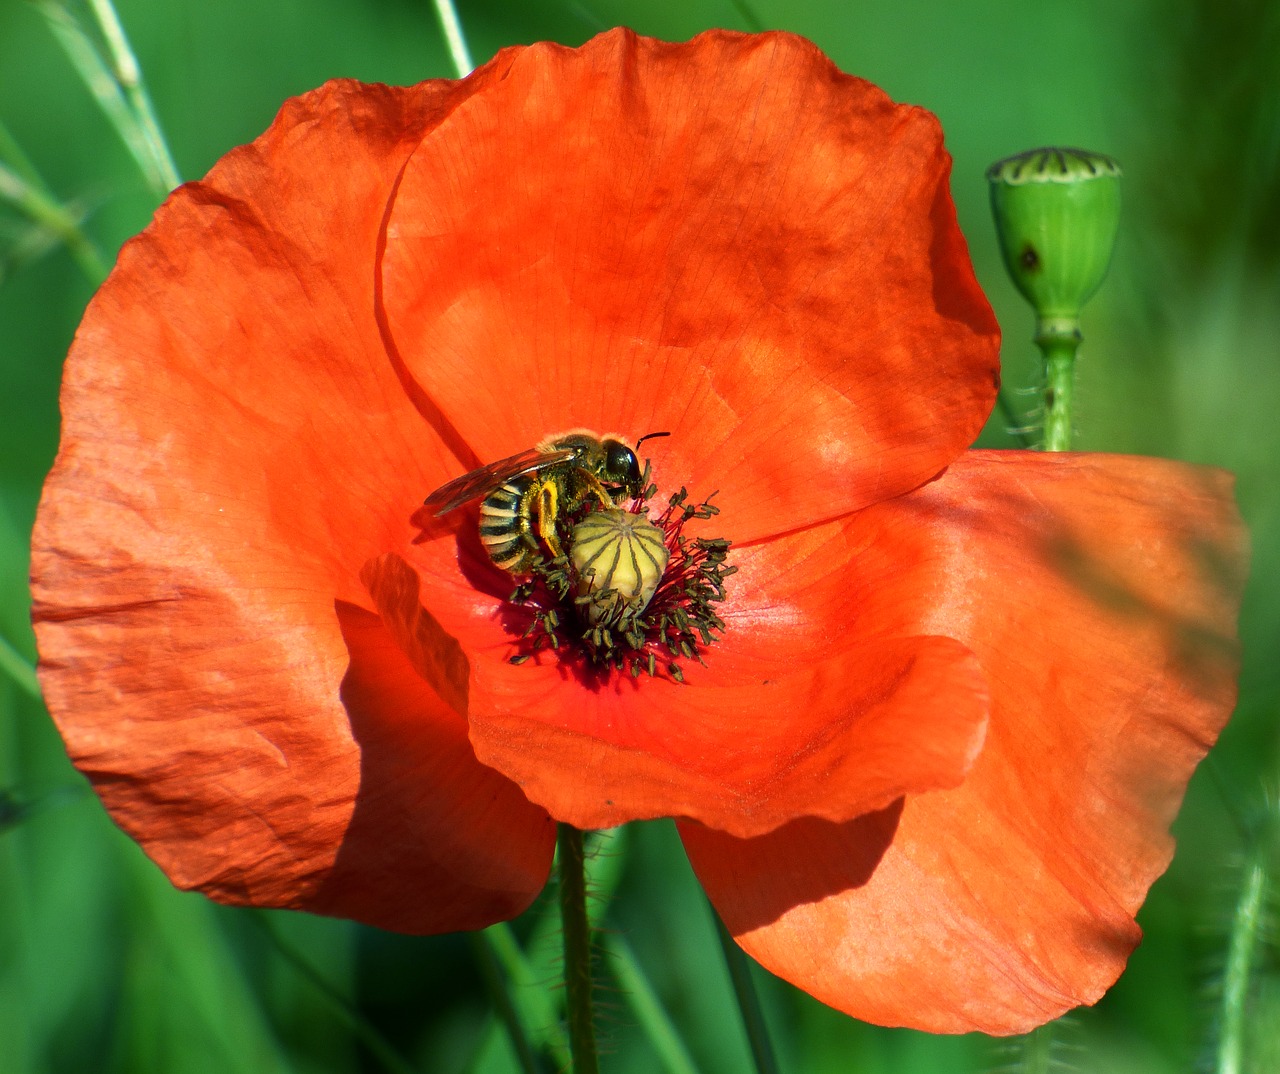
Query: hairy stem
(577, 950)
(1058, 339)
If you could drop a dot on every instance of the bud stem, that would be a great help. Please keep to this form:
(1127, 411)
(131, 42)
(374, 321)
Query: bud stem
(1058, 338)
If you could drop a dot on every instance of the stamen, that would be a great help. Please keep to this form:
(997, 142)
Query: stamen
(632, 594)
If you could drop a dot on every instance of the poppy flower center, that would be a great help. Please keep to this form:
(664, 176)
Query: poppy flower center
(627, 592)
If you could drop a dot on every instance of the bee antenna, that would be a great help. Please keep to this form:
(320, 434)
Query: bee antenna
(649, 436)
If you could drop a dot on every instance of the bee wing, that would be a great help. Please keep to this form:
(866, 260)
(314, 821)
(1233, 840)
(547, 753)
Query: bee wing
(478, 482)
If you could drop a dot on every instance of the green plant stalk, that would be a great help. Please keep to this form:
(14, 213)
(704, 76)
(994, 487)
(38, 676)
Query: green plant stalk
(539, 1013)
(365, 1030)
(1245, 929)
(11, 153)
(178, 938)
(22, 673)
(491, 969)
(1058, 339)
(577, 950)
(98, 76)
(648, 1009)
(1037, 1051)
(48, 214)
(748, 1002)
(748, 16)
(129, 75)
(22, 889)
(454, 38)
(525, 968)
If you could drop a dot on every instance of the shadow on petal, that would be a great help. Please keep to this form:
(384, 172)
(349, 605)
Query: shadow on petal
(437, 842)
(753, 882)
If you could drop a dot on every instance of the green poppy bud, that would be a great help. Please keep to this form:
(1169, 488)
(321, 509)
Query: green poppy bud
(1057, 212)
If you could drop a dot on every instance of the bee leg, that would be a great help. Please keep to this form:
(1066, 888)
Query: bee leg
(548, 510)
(596, 489)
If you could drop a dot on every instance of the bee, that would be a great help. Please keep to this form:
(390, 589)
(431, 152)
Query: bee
(526, 494)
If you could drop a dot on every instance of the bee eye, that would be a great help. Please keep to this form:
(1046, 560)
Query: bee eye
(621, 463)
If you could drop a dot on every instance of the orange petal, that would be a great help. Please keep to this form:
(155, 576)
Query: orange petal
(802, 708)
(833, 738)
(236, 444)
(437, 841)
(727, 239)
(801, 686)
(1100, 594)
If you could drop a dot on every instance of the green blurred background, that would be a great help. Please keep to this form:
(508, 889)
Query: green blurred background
(103, 966)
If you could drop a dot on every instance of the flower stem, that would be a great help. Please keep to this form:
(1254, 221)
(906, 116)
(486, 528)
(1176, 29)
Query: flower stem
(1037, 1051)
(577, 950)
(452, 27)
(748, 1002)
(1058, 338)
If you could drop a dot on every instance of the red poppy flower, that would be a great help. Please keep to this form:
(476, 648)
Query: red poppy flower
(926, 773)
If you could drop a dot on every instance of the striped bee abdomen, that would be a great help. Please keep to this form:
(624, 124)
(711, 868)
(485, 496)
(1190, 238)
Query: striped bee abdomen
(506, 525)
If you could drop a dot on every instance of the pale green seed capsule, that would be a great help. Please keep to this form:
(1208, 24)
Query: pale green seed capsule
(620, 551)
(1057, 212)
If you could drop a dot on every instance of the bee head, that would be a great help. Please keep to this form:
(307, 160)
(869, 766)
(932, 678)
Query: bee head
(621, 467)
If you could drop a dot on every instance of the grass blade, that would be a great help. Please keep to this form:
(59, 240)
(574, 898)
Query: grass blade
(482, 944)
(1246, 936)
(13, 662)
(129, 77)
(744, 990)
(452, 27)
(647, 1007)
(368, 1034)
(534, 1004)
(106, 88)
